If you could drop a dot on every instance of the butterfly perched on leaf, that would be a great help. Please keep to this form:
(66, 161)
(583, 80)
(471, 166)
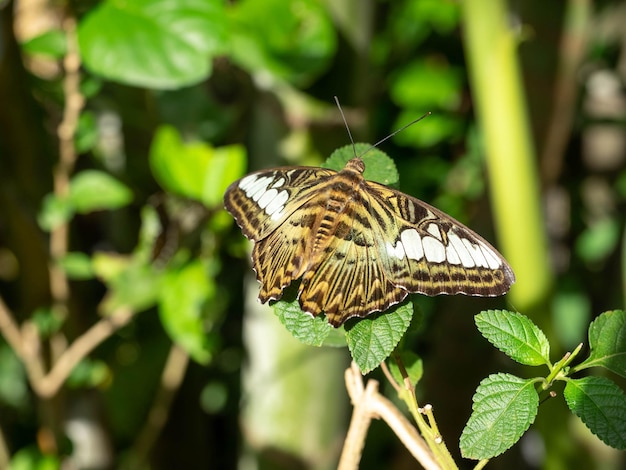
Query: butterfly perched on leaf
(357, 246)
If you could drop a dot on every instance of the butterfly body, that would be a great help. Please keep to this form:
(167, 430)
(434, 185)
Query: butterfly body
(358, 246)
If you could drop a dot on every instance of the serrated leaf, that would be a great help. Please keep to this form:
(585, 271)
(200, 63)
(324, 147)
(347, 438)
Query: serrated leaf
(154, 43)
(504, 408)
(304, 327)
(412, 363)
(184, 296)
(515, 335)
(378, 166)
(601, 405)
(93, 190)
(607, 340)
(372, 339)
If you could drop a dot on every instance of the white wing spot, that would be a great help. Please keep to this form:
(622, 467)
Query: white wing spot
(254, 187)
(412, 244)
(278, 183)
(461, 251)
(275, 208)
(452, 256)
(247, 181)
(492, 258)
(434, 250)
(476, 253)
(434, 231)
(267, 197)
(397, 251)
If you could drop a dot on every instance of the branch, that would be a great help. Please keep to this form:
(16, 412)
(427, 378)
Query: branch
(171, 379)
(368, 404)
(79, 349)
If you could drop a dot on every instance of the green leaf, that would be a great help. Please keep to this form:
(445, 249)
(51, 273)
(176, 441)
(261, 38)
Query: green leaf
(372, 339)
(185, 296)
(14, 391)
(504, 408)
(412, 363)
(134, 285)
(194, 170)
(294, 41)
(31, 458)
(378, 166)
(601, 405)
(598, 241)
(515, 335)
(154, 43)
(225, 166)
(93, 190)
(77, 265)
(89, 373)
(51, 43)
(432, 130)
(607, 340)
(427, 85)
(54, 212)
(48, 321)
(304, 327)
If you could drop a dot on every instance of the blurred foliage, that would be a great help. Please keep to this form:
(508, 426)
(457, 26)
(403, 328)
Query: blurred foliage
(182, 97)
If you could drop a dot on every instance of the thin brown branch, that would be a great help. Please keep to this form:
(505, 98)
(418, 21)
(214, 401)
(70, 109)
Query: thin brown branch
(171, 379)
(368, 404)
(74, 101)
(79, 349)
(25, 342)
(390, 379)
(572, 50)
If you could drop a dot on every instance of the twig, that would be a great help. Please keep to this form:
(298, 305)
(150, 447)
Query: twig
(24, 343)
(172, 377)
(368, 404)
(572, 49)
(4, 451)
(79, 349)
(74, 101)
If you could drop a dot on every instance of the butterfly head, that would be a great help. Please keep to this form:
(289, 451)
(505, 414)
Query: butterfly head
(356, 165)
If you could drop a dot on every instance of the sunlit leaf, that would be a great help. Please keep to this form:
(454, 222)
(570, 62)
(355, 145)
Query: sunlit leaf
(154, 43)
(504, 408)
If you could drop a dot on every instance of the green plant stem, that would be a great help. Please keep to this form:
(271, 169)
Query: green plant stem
(497, 91)
(429, 430)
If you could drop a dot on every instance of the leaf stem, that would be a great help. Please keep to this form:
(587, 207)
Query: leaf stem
(429, 430)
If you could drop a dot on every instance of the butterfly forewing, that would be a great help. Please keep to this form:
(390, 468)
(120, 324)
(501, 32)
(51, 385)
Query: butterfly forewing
(261, 202)
(358, 246)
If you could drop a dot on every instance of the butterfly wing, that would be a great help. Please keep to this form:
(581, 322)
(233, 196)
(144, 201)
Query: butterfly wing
(398, 245)
(431, 253)
(364, 257)
(261, 202)
(270, 208)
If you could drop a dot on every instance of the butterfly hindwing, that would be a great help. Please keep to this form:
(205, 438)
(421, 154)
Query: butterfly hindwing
(431, 253)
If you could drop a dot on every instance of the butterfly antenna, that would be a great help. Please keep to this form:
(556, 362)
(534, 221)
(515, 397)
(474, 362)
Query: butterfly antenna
(396, 132)
(346, 123)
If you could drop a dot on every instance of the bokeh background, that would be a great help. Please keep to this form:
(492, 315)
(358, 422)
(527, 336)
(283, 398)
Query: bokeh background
(131, 335)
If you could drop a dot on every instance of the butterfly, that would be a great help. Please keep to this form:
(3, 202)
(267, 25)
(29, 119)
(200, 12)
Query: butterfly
(357, 246)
